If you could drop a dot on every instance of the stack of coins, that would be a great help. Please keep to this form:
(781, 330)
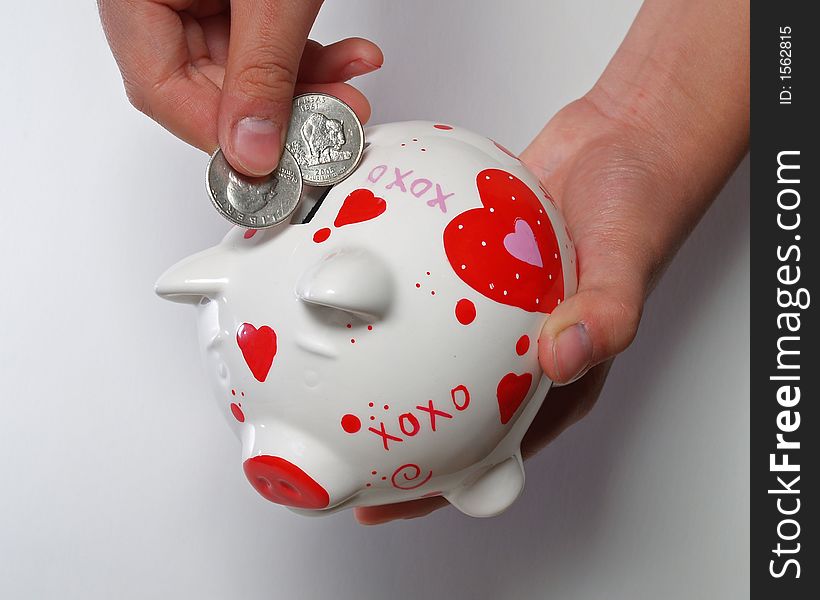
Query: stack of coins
(324, 146)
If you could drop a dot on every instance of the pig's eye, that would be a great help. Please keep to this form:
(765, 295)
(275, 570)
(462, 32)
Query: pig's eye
(312, 198)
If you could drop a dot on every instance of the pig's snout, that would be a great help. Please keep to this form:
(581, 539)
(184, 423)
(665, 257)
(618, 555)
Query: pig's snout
(280, 481)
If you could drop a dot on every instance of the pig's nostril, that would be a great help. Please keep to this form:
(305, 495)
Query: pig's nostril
(280, 481)
(263, 483)
(288, 488)
(284, 487)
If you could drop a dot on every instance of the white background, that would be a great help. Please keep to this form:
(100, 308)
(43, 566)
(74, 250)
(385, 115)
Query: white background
(118, 477)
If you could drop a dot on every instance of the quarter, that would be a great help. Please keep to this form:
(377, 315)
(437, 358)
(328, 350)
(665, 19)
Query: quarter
(325, 137)
(254, 202)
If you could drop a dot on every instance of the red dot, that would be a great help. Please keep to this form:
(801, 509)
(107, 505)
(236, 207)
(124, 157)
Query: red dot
(433, 293)
(249, 234)
(465, 311)
(386, 407)
(373, 472)
(370, 404)
(321, 235)
(428, 272)
(352, 340)
(233, 392)
(349, 325)
(418, 285)
(522, 345)
(367, 484)
(384, 478)
(442, 126)
(243, 394)
(351, 423)
(370, 328)
(237, 412)
(372, 418)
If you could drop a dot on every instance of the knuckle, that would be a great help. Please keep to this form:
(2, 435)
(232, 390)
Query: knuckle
(144, 96)
(135, 94)
(627, 318)
(268, 75)
(149, 93)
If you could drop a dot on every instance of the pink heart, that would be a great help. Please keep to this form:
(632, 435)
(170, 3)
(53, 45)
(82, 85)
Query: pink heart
(522, 245)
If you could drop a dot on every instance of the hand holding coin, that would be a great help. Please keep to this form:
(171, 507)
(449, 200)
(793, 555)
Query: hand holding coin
(325, 144)
(224, 73)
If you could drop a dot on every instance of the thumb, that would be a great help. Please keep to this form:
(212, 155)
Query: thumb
(593, 325)
(617, 261)
(613, 197)
(266, 44)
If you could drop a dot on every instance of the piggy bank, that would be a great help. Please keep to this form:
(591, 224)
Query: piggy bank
(382, 346)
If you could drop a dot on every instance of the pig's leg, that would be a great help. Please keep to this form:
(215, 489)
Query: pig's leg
(493, 492)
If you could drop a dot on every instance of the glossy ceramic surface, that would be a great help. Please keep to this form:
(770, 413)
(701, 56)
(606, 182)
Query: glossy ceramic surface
(386, 349)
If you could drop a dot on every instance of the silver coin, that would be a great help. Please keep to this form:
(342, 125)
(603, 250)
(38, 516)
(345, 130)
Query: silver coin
(254, 202)
(325, 137)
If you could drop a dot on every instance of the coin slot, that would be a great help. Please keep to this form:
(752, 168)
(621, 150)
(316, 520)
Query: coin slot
(312, 198)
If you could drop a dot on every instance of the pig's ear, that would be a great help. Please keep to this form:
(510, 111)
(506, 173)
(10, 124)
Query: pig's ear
(202, 274)
(493, 492)
(353, 280)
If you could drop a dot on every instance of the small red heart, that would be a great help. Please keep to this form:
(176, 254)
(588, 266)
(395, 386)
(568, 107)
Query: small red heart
(506, 250)
(258, 346)
(512, 389)
(360, 205)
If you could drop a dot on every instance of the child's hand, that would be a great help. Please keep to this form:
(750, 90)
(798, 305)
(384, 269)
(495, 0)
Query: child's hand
(223, 73)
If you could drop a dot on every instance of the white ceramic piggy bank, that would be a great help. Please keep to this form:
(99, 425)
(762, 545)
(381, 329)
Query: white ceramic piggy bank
(386, 349)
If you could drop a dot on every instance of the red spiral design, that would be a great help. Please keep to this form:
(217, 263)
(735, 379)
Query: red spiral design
(416, 474)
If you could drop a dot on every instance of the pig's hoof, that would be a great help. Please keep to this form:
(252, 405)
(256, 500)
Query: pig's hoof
(493, 492)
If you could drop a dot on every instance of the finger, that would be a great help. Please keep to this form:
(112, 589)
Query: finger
(215, 71)
(376, 515)
(195, 37)
(149, 44)
(217, 31)
(595, 324)
(565, 406)
(344, 92)
(200, 9)
(599, 321)
(340, 61)
(267, 40)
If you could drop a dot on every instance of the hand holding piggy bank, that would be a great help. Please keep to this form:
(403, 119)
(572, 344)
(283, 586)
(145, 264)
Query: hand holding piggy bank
(386, 348)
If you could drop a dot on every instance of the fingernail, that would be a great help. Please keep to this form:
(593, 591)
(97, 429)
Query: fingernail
(572, 351)
(358, 67)
(256, 145)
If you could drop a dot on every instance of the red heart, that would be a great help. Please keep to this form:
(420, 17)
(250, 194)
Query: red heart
(474, 243)
(360, 205)
(258, 347)
(512, 389)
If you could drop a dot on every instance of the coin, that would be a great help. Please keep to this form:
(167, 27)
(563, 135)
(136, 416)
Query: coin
(254, 202)
(325, 137)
